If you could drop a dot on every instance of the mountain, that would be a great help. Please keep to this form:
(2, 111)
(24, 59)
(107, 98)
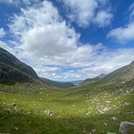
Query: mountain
(95, 79)
(120, 76)
(58, 83)
(77, 82)
(11, 60)
(12, 70)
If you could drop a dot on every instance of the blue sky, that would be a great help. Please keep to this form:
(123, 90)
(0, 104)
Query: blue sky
(69, 39)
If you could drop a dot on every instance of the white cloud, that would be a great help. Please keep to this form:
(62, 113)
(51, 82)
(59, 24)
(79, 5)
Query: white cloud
(103, 63)
(47, 71)
(2, 32)
(103, 18)
(126, 33)
(84, 12)
(45, 37)
(12, 2)
(123, 34)
(19, 2)
(6, 1)
(44, 14)
(51, 40)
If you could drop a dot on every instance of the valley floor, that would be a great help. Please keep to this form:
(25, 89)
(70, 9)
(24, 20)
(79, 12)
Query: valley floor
(73, 111)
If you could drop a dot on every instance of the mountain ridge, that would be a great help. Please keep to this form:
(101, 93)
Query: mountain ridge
(10, 59)
(121, 75)
(58, 84)
(13, 71)
(102, 75)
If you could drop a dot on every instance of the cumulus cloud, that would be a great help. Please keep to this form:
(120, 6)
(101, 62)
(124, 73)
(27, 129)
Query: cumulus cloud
(46, 37)
(103, 18)
(49, 71)
(123, 34)
(84, 12)
(53, 48)
(126, 33)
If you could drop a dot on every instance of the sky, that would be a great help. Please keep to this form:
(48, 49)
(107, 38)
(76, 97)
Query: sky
(69, 40)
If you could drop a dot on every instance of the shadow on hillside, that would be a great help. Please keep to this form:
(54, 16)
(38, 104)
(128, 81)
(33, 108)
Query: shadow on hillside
(7, 82)
(12, 82)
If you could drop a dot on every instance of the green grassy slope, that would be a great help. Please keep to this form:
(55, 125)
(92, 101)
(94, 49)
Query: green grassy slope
(83, 110)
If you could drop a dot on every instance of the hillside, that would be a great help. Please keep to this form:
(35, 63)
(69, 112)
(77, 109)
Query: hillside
(10, 60)
(13, 71)
(94, 79)
(120, 76)
(11, 75)
(58, 83)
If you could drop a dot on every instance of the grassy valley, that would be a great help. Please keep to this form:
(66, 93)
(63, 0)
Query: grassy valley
(84, 110)
(96, 107)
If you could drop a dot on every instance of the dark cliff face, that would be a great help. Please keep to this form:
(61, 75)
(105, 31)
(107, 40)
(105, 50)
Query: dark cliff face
(9, 59)
(13, 70)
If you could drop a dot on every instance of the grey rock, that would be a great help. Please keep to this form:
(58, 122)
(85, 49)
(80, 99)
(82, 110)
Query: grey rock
(13, 104)
(48, 112)
(110, 133)
(126, 127)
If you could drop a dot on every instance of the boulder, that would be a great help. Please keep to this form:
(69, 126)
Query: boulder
(126, 127)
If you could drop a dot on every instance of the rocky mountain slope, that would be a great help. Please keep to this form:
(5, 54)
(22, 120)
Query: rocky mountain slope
(124, 75)
(120, 76)
(95, 79)
(12, 70)
(9, 59)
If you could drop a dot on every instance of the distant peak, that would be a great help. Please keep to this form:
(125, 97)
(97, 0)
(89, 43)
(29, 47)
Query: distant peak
(132, 62)
(101, 75)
